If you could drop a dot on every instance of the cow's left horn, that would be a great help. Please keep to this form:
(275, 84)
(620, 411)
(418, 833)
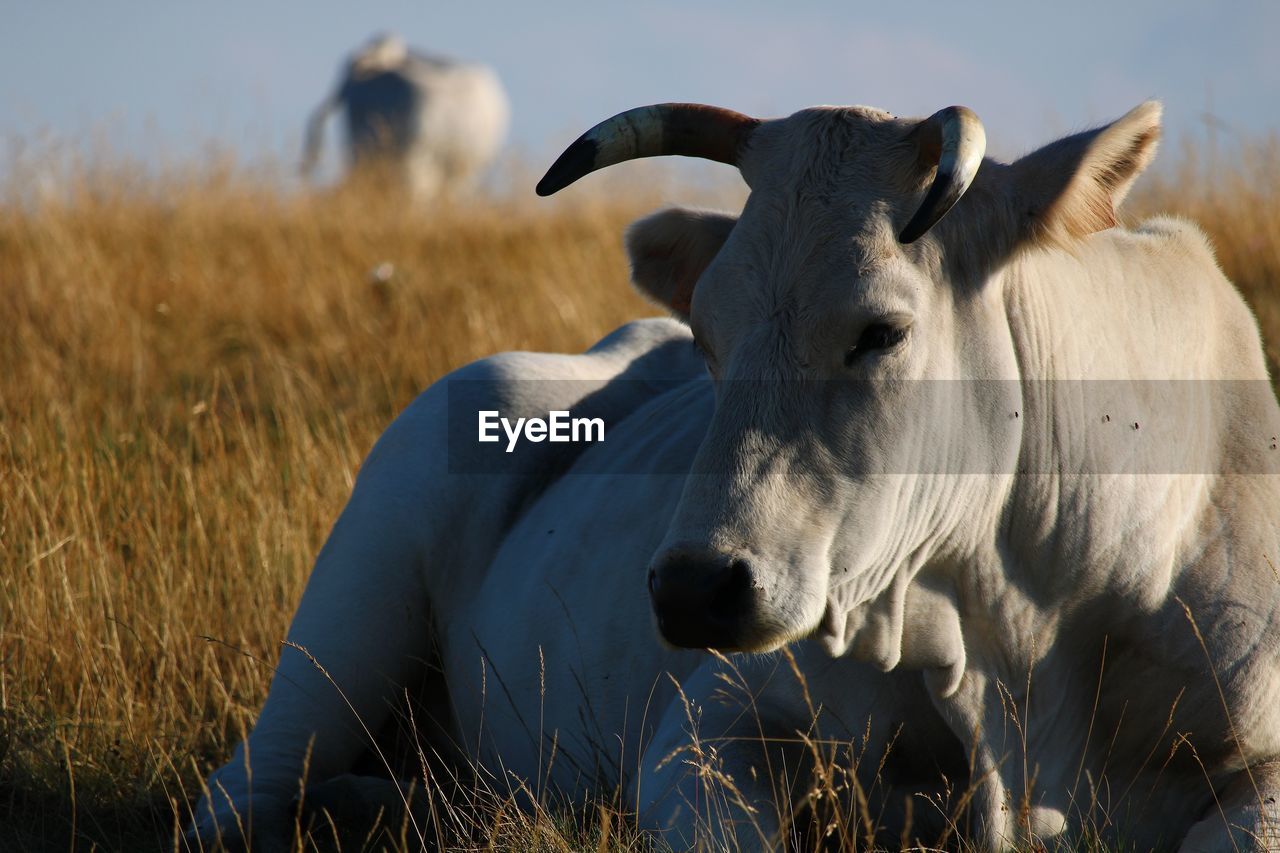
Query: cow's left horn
(689, 130)
(953, 139)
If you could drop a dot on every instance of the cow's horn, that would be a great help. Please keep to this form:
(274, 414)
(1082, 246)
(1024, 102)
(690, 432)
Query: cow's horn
(954, 140)
(690, 130)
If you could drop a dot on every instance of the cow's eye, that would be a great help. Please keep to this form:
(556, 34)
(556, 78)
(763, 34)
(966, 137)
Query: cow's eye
(875, 338)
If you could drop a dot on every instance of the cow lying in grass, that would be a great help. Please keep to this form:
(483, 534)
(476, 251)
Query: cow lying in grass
(998, 471)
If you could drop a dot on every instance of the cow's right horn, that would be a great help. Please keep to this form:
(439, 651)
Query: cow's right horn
(689, 130)
(954, 140)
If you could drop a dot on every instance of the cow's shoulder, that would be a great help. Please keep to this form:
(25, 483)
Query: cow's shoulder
(430, 453)
(1179, 238)
(614, 373)
(646, 335)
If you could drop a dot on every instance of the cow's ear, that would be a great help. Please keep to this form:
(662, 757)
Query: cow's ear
(670, 249)
(1072, 187)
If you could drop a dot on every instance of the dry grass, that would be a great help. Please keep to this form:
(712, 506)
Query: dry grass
(190, 372)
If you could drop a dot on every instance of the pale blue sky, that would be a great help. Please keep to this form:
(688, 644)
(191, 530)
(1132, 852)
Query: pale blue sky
(166, 78)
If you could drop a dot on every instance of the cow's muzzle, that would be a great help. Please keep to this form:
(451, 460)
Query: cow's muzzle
(702, 599)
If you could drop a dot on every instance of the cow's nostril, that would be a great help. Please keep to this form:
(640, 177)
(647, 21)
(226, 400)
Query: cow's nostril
(702, 599)
(732, 596)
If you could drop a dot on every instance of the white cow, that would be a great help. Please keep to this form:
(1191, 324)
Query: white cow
(1011, 471)
(426, 124)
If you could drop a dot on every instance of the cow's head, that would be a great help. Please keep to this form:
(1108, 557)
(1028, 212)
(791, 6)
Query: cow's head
(384, 52)
(836, 468)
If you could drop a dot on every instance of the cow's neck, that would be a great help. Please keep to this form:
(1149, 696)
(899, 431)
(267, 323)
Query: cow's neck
(1095, 413)
(1083, 566)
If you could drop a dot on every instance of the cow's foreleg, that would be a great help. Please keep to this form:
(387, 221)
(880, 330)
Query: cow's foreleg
(361, 629)
(716, 774)
(1245, 816)
(753, 753)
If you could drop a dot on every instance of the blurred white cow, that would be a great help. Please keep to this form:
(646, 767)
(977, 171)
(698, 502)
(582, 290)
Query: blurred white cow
(422, 123)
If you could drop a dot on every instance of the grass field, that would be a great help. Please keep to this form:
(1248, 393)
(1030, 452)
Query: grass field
(191, 369)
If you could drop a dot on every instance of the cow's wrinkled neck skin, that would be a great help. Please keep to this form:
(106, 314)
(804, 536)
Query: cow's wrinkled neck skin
(1090, 577)
(914, 624)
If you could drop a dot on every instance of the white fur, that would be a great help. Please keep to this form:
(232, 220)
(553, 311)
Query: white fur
(901, 538)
